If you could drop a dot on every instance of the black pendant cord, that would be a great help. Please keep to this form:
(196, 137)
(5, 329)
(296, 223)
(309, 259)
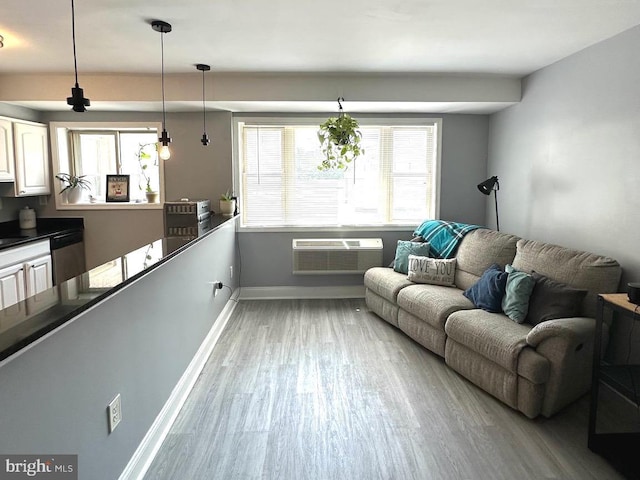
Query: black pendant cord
(204, 113)
(205, 138)
(77, 99)
(73, 36)
(164, 119)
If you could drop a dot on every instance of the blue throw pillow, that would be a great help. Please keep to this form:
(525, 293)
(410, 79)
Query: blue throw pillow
(406, 248)
(488, 291)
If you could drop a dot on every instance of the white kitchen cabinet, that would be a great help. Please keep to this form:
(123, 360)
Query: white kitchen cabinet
(39, 284)
(12, 285)
(6, 151)
(39, 276)
(25, 271)
(31, 159)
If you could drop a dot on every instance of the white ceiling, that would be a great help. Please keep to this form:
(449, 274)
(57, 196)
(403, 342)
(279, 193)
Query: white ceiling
(503, 37)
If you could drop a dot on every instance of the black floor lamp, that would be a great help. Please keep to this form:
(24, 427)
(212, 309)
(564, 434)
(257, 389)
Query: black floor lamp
(488, 186)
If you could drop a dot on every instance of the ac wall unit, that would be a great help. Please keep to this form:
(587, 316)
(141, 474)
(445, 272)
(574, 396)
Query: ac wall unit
(318, 256)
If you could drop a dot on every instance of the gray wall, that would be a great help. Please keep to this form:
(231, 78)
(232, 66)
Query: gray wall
(266, 258)
(137, 343)
(567, 156)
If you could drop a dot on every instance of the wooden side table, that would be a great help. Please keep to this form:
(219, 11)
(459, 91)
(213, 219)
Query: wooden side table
(615, 395)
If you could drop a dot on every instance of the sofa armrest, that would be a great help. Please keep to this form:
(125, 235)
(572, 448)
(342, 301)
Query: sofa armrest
(571, 331)
(567, 343)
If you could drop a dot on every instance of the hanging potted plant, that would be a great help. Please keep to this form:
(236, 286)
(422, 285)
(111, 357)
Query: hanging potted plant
(340, 141)
(144, 159)
(73, 186)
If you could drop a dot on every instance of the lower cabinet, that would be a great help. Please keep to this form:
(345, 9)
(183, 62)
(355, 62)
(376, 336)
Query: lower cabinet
(12, 285)
(38, 274)
(26, 281)
(25, 271)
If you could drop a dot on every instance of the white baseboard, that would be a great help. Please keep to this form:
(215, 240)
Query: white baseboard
(146, 451)
(292, 292)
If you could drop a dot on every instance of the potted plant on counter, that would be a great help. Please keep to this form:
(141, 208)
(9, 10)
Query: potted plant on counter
(144, 159)
(227, 204)
(73, 186)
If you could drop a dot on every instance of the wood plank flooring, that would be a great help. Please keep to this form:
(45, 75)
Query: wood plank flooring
(324, 389)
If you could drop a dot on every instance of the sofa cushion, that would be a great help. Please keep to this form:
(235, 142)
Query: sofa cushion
(478, 251)
(515, 303)
(434, 271)
(432, 303)
(404, 249)
(385, 282)
(595, 273)
(492, 335)
(550, 300)
(488, 291)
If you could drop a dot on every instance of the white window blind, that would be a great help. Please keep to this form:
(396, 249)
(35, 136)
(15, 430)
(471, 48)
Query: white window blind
(394, 182)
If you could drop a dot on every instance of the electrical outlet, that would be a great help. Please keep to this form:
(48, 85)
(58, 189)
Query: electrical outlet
(114, 411)
(43, 200)
(231, 271)
(217, 285)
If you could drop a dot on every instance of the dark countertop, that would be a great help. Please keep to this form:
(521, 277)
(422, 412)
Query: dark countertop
(25, 322)
(12, 236)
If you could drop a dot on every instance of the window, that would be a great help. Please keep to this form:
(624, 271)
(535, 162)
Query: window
(393, 183)
(97, 150)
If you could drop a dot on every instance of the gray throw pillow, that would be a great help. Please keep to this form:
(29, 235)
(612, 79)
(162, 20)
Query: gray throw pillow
(550, 300)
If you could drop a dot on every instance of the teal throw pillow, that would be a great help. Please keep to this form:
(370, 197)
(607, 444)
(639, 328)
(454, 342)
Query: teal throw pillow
(515, 303)
(488, 291)
(406, 248)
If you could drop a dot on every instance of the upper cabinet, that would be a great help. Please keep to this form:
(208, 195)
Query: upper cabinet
(32, 159)
(24, 158)
(6, 151)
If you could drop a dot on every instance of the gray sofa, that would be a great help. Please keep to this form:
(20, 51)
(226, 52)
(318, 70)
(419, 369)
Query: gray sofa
(534, 369)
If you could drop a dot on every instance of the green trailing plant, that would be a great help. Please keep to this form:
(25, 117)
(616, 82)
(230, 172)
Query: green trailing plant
(73, 181)
(144, 159)
(340, 142)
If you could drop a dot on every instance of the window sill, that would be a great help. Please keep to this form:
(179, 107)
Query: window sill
(341, 228)
(109, 206)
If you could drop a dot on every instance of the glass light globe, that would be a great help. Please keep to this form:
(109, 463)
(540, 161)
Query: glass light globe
(165, 153)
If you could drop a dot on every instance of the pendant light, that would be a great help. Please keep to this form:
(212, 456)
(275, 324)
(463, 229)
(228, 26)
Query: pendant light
(76, 100)
(164, 139)
(205, 138)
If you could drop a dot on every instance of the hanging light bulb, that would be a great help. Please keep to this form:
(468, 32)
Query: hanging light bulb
(205, 138)
(76, 100)
(164, 139)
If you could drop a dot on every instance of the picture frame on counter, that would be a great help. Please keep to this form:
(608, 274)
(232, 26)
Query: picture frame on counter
(118, 187)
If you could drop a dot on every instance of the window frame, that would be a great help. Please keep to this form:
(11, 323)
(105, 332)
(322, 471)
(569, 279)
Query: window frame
(61, 162)
(363, 120)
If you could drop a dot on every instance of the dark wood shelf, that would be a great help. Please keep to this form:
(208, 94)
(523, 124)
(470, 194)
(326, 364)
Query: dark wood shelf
(620, 448)
(625, 379)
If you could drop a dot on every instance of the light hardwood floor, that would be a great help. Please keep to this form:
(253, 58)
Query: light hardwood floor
(324, 389)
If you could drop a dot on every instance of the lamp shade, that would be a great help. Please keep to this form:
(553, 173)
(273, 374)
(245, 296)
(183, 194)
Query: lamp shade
(488, 185)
